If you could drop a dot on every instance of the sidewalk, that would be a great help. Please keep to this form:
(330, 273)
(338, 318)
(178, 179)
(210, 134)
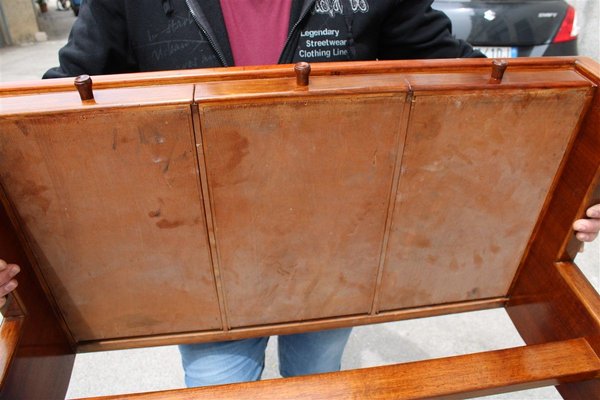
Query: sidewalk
(56, 22)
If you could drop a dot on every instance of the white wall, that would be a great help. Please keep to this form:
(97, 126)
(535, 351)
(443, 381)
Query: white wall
(20, 18)
(588, 15)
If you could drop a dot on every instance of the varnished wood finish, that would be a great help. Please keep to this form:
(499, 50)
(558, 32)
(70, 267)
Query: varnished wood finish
(83, 84)
(498, 69)
(581, 288)
(551, 302)
(459, 377)
(277, 71)
(293, 327)
(568, 307)
(229, 203)
(300, 212)
(504, 173)
(434, 170)
(68, 102)
(302, 70)
(10, 333)
(115, 218)
(37, 355)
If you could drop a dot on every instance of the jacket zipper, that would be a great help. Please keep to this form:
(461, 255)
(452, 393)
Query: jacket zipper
(293, 30)
(205, 32)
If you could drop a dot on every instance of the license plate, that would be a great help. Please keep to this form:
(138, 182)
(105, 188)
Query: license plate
(498, 52)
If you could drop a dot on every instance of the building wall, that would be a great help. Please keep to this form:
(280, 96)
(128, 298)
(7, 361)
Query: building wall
(19, 21)
(588, 16)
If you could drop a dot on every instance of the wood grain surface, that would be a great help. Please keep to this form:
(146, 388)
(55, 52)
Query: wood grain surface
(468, 201)
(112, 204)
(459, 377)
(553, 301)
(300, 192)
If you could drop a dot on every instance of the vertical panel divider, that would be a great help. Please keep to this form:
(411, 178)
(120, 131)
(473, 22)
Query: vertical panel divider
(208, 211)
(402, 134)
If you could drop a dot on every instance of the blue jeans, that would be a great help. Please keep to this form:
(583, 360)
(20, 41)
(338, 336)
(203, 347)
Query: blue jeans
(218, 363)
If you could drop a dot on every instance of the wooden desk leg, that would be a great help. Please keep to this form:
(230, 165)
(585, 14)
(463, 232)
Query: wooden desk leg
(42, 362)
(561, 304)
(552, 301)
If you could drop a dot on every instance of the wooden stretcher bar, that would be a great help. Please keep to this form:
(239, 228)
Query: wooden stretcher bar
(459, 377)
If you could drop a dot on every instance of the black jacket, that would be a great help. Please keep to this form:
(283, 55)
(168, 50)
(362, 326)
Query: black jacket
(117, 36)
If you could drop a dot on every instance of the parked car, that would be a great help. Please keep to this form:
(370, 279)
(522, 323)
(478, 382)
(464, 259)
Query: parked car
(508, 28)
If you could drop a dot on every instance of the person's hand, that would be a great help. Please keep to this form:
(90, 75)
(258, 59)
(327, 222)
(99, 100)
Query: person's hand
(587, 229)
(7, 283)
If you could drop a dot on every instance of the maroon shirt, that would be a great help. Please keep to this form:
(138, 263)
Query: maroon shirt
(257, 29)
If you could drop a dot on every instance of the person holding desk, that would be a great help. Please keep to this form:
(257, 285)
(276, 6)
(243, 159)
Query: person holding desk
(124, 36)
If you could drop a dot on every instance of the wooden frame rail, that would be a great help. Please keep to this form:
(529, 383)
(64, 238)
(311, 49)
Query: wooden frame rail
(459, 377)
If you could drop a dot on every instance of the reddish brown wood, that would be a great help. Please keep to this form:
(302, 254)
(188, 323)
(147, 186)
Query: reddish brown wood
(438, 82)
(11, 328)
(83, 83)
(549, 303)
(564, 306)
(68, 102)
(376, 193)
(10, 333)
(115, 218)
(581, 288)
(481, 66)
(498, 69)
(456, 179)
(517, 79)
(40, 367)
(302, 70)
(292, 327)
(300, 212)
(460, 377)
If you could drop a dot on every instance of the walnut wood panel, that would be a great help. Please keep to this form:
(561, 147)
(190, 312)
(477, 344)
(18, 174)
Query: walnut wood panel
(467, 202)
(554, 301)
(300, 192)
(459, 377)
(111, 204)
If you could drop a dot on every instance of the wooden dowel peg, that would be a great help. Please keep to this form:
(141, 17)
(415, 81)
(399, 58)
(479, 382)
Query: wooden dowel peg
(302, 70)
(498, 68)
(83, 83)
